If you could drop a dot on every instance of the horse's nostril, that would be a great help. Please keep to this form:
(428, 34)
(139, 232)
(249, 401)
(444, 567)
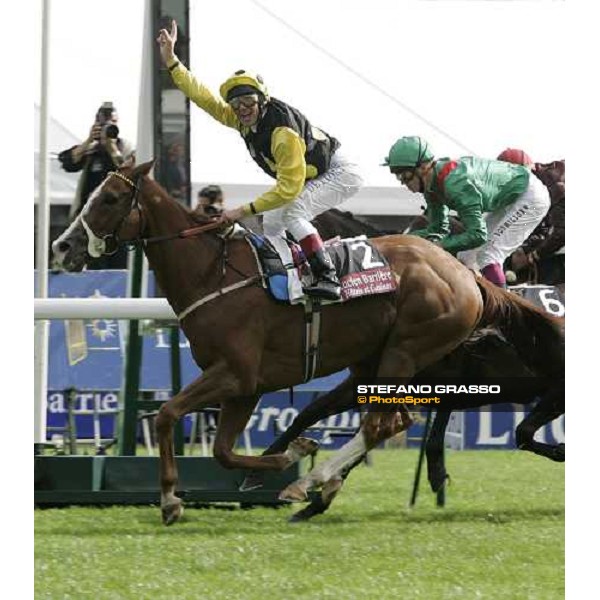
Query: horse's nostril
(63, 246)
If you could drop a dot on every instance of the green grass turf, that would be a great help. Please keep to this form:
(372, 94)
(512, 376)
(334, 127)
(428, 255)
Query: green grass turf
(500, 536)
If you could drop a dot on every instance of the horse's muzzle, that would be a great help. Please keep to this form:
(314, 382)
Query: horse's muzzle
(69, 252)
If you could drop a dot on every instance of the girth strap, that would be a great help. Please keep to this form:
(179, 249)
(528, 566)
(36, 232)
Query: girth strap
(235, 286)
(312, 334)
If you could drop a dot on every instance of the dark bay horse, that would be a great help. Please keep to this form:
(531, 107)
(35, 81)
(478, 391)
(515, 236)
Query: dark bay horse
(246, 343)
(487, 355)
(334, 222)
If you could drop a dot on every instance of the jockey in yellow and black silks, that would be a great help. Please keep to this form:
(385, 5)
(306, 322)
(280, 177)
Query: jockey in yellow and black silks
(311, 174)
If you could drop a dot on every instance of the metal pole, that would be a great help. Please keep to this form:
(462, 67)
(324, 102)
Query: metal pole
(178, 439)
(43, 235)
(132, 366)
(137, 265)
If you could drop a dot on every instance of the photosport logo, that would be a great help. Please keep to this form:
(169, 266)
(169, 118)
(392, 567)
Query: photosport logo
(498, 393)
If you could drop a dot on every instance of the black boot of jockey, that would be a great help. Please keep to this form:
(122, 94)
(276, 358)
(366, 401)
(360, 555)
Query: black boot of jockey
(326, 284)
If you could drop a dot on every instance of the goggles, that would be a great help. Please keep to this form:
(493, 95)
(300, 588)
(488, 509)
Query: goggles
(404, 175)
(247, 101)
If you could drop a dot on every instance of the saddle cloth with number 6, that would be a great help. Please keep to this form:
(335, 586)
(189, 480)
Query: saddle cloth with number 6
(362, 270)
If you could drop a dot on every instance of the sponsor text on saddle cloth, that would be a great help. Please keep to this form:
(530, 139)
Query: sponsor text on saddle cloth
(361, 269)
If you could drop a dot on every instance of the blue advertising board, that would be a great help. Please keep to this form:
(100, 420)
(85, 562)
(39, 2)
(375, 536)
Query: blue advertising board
(479, 429)
(88, 356)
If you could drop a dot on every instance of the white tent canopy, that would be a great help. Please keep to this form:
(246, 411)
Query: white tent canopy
(62, 184)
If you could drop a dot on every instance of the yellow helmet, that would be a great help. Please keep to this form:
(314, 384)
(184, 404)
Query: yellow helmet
(243, 82)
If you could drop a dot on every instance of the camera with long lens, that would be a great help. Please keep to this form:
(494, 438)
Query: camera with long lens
(104, 118)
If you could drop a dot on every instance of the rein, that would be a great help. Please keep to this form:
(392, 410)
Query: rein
(186, 233)
(98, 245)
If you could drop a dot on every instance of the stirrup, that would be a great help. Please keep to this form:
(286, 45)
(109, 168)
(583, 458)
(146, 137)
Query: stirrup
(324, 289)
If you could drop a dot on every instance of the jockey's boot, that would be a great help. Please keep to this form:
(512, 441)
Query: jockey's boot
(327, 284)
(494, 273)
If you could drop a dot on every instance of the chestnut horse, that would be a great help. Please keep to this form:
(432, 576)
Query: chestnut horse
(246, 343)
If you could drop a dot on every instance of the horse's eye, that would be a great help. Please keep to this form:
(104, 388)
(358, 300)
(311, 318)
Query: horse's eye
(110, 198)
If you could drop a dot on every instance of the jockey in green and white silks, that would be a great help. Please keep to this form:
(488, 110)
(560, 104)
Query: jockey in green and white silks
(311, 174)
(499, 204)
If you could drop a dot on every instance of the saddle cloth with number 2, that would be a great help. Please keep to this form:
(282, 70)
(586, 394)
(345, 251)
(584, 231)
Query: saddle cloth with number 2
(362, 270)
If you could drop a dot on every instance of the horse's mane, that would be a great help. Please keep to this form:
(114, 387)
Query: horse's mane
(343, 223)
(194, 215)
(537, 335)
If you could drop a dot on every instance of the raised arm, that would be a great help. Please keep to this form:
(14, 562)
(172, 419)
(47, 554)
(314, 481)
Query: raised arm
(197, 92)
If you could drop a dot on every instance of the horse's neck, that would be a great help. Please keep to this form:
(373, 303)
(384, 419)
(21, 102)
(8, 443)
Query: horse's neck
(184, 269)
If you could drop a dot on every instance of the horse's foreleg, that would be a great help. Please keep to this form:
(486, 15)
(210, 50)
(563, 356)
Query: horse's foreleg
(434, 449)
(547, 409)
(334, 402)
(205, 391)
(234, 416)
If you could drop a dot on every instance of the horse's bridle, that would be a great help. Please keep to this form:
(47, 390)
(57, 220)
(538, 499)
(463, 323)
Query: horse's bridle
(97, 245)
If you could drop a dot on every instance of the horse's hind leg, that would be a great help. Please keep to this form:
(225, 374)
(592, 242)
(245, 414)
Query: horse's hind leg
(334, 402)
(411, 346)
(322, 501)
(548, 408)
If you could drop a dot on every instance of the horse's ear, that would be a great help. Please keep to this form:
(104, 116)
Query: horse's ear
(144, 168)
(129, 162)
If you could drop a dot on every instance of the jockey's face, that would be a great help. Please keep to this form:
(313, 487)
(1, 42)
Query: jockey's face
(416, 180)
(246, 108)
(410, 179)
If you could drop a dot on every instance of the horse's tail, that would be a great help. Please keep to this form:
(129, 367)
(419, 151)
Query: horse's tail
(538, 337)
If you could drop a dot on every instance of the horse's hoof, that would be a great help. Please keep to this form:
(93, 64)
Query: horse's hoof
(438, 483)
(559, 453)
(172, 512)
(331, 489)
(294, 493)
(302, 447)
(253, 481)
(302, 515)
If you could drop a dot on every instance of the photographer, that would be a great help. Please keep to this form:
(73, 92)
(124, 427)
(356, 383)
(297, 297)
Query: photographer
(210, 201)
(102, 152)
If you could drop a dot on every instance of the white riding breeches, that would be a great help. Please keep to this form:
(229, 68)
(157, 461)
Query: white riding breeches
(341, 181)
(509, 227)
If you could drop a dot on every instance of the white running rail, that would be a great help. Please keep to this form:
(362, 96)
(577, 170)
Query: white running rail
(102, 308)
